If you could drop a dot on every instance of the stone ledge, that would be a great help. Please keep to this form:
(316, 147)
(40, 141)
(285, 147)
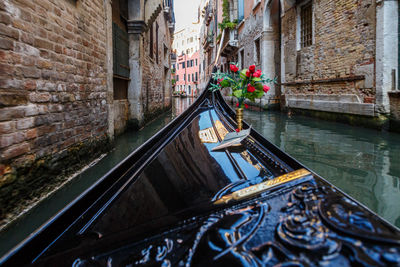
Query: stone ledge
(348, 104)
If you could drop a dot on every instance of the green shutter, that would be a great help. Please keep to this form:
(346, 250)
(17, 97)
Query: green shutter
(120, 52)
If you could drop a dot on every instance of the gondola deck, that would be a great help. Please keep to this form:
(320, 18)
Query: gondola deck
(175, 202)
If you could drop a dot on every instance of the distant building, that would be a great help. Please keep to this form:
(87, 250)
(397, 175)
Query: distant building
(328, 57)
(187, 74)
(186, 46)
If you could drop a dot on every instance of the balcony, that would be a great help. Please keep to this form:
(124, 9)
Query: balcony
(208, 41)
(230, 44)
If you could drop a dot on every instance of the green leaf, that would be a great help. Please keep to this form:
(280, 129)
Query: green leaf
(243, 74)
(237, 93)
(225, 83)
(259, 94)
(256, 79)
(258, 86)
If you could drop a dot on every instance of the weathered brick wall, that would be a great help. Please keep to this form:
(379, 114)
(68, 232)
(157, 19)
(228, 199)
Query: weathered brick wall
(249, 30)
(344, 46)
(157, 88)
(52, 87)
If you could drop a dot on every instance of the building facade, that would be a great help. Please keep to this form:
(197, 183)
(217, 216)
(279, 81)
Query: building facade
(74, 74)
(186, 46)
(187, 74)
(330, 57)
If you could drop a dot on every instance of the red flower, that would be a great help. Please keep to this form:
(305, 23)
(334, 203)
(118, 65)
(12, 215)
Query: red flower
(252, 68)
(237, 130)
(234, 68)
(246, 106)
(237, 104)
(266, 88)
(257, 73)
(250, 88)
(248, 73)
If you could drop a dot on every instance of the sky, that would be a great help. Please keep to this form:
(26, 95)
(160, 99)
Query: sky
(185, 12)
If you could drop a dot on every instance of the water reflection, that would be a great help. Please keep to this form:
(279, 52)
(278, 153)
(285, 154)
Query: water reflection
(180, 104)
(362, 162)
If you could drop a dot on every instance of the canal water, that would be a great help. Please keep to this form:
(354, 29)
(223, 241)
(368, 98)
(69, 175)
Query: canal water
(362, 162)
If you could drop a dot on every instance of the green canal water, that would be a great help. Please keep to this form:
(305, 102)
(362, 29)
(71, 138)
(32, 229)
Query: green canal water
(364, 163)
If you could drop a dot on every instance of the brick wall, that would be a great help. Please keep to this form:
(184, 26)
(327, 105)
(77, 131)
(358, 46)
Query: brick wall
(52, 86)
(343, 46)
(249, 30)
(156, 85)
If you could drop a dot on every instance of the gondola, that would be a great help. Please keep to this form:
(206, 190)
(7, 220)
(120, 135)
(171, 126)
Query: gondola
(176, 202)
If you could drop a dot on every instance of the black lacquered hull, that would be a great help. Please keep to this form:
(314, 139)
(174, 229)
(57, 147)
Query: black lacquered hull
(163, 206)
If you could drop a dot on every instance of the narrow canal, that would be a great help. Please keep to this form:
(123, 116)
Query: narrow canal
(362, 162)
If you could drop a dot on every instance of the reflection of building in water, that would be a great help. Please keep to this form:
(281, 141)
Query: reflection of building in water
(208, 135)
(180, 105)
(247, 157)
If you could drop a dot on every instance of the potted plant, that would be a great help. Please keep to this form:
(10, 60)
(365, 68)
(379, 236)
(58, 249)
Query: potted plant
(245, 84)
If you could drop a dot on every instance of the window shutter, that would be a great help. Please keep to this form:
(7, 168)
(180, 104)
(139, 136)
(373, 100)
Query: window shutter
(120, 52)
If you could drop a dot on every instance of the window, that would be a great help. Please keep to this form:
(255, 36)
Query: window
(241, 58)
(184, 77)
(306, 25)
(177, 77)
(240, 10)
(192, 77)
(257, 51)
(196, 76)
(166, 53)
(196, 61)
(188, 77)
(188, 63)
(151, 41)
(183, 65)
(157, 42)
(191, 63)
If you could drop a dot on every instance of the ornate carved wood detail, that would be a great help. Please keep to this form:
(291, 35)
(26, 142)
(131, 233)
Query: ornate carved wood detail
(311, 225)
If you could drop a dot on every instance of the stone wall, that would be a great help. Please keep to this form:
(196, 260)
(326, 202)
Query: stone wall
(156, 84)
(53, 90)
(341, 59)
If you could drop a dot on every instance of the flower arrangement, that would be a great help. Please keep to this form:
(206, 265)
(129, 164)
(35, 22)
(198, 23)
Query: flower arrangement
(245, 84)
